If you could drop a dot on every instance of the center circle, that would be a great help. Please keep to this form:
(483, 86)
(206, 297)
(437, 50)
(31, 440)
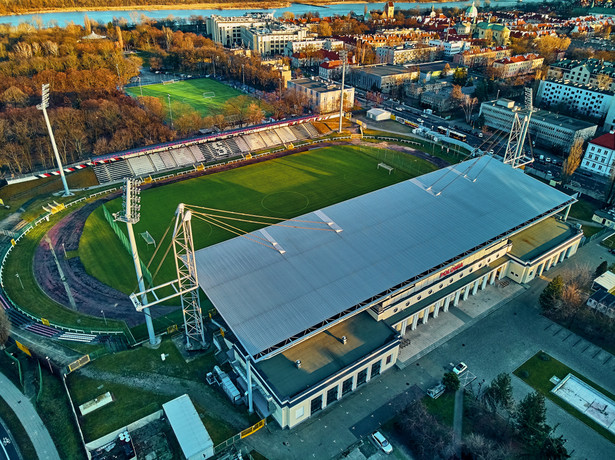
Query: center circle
(285, 202)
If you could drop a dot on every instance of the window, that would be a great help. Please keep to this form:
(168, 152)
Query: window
(389, 359)
(299, 412)
(362, 377)
(375, 369)
(316, 405)
(332, 395)
(347, 386)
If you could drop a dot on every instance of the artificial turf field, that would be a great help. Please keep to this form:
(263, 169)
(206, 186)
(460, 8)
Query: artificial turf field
(284, 187)
(190, 93)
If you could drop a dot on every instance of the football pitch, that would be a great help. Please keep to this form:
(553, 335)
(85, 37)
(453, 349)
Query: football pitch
(284, 187)
(190, 93)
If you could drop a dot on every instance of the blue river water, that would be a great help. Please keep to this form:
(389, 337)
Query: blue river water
(132, 16)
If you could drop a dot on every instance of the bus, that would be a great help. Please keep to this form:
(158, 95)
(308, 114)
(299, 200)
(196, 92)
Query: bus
(451, 133)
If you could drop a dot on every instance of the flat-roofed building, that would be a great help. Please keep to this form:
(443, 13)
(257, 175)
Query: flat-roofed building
(546, 128)
(583, 99)
(481, 57)
(403, 54)
(227, 30)
(314, 315)
(385, 78)
(273, 38)
(323, 96)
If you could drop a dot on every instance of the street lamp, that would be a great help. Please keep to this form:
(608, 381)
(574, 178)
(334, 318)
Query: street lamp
(19, 278)
(170, 111)
(49, 363)
(43, 106)
(104, 317)
(243, 76)
(140, 87)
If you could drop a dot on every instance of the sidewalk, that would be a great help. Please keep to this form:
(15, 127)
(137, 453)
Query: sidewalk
(29, 418)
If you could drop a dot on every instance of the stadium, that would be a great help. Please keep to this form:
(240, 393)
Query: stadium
(310, 316)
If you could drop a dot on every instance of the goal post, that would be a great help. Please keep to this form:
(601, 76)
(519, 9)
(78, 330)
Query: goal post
(149, 239)
(208, 94)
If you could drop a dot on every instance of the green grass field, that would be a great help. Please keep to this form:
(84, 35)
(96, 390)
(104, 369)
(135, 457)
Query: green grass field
(189, 93)
(284, 187)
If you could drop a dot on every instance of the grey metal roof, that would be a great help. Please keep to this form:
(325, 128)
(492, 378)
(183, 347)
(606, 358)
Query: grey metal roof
(389, 236)
(189, 430)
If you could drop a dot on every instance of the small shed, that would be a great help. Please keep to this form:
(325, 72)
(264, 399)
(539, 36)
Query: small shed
(189, 430)
(605, 281)
(378, 114)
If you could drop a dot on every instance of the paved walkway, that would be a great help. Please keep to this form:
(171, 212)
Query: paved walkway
(29, 418)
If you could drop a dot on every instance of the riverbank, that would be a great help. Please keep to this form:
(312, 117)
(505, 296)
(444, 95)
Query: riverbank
(268, 5)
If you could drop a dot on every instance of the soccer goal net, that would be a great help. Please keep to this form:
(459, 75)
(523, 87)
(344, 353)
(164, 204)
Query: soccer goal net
(209, 94)
(149, 239)
(168, 82)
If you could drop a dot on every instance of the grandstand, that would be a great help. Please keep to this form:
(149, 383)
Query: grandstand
(195, 152)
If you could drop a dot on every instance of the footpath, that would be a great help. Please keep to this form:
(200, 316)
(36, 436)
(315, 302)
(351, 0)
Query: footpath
(29, 418)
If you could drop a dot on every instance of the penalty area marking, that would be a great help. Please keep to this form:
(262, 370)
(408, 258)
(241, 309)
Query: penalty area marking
(208, 94)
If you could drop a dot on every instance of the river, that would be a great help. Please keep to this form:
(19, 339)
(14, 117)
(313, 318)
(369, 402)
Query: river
(132, 16)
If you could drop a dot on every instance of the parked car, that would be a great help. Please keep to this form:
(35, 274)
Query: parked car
(460, 368)
(382, 442)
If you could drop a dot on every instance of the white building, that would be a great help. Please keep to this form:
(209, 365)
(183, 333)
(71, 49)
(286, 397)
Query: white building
(546, 128)
(299, 46)
(583, 99)
(323, 96)
(521, 64)
(273, 38)
(227, 30)
(451, 48)
(600, 155)
(397, 55)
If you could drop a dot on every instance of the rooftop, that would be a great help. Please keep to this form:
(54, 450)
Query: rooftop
(540, 238)
(189, 430)
(541, 115)
(606, 140)
(317, 84)
(391, 238)
(324, 354)
(606, 280)
(382, 70)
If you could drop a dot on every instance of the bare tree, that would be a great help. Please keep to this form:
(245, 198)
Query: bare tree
(468, 104)
(604, 81)
(5, 327)
(572, 162)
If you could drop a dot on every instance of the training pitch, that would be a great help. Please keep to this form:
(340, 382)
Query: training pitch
(285, 187)
(190, 93)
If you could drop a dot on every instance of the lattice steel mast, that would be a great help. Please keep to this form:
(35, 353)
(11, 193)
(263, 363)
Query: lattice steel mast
(515, 155)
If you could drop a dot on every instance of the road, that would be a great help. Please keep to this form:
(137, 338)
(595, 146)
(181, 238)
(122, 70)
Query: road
(29, 418)
(500, 342)
(7, 448)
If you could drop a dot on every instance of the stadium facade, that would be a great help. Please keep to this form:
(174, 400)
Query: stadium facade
(318, 314)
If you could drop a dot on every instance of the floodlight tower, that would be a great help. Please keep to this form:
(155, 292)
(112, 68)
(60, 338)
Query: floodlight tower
(43, 106)
(518, 132)
(130, 214)
(343, 55)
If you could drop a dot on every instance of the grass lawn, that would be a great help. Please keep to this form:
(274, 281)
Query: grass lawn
(189, 93)
(284, 187)
(143, 359)
(609, 242)
(24, 445)
(583, 210)
(442, 408)
(536, 372)
(590, 231)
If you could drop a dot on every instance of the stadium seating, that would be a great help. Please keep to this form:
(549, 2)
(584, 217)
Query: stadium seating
(299, 132)
(242, 144)
(77, 337)
(232, 145)
(141, 165)
(157, 162)
(197, 153)
(119, 170)
(168, 160)
(101, 173)
(41, 329)
(207, 153)
(309, 127)
(183, 157)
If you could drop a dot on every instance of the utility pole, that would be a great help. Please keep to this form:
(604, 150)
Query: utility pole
(131, 214)
(43, 106)
(343, 56)
(140, 87)
(170, 110)
(243, 76)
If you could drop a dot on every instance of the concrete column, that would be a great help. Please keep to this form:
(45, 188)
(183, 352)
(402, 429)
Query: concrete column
(484, 285)
(404, 324)
(447, 301)
(547, 265)
(562, 256)
(492, 277)
(567, 211)
(466, 292)
(475, 287)
(425, 315)
(456, 301)
(437, 309)
(501, 275)
(415, 321)
(249, 382)
(541, 269)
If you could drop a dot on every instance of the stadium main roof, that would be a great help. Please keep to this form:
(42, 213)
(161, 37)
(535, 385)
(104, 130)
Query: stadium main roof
(390, 236)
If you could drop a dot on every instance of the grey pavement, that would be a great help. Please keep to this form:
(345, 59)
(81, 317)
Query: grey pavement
(29, 418)
(496, 340)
